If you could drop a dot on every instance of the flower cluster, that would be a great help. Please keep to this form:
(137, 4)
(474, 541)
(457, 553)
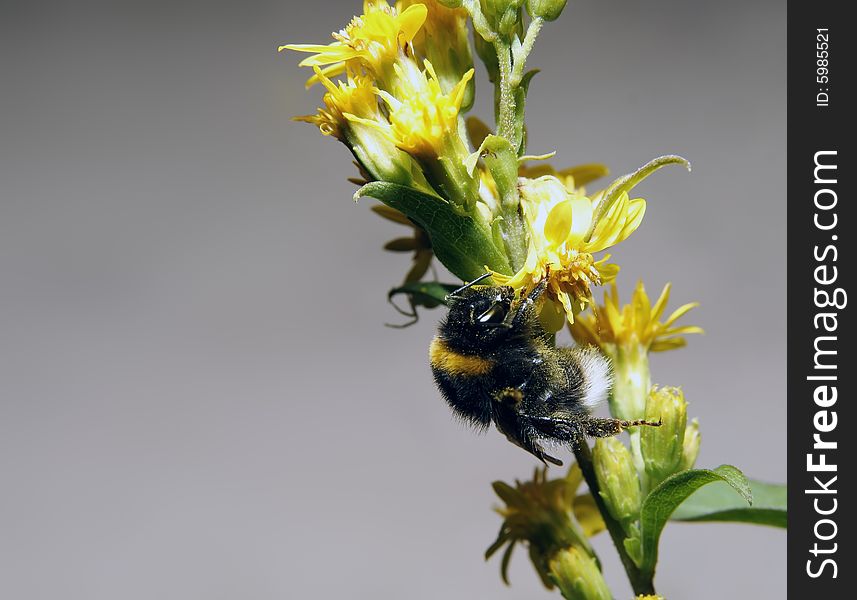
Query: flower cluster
(398, 81)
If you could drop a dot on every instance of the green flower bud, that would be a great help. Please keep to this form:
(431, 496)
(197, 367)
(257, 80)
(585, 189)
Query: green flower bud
(577, 576)
(690, 448)
(617, 478)
(504, 16)
(662, 447)
(549, 10)
(450, 3)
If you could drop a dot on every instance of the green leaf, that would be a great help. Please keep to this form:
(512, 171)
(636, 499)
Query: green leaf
(625, 183)
(664, 499)
(464, 246)
(424, 293)
(718, 502)
(428, 294)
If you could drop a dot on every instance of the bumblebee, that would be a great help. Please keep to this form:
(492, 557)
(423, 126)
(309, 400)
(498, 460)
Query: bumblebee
(492, 362)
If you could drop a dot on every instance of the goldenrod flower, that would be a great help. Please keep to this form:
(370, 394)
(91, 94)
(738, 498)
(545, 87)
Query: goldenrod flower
(627, 334)
(423, 121)
(350, 109)
(565, 229)
(373, 41)
(355, 96)
(541, 514)
(422, 115)
(636, 323)
(444, 40)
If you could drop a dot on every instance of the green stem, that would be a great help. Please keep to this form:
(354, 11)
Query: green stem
(640, 583)
(506, 101)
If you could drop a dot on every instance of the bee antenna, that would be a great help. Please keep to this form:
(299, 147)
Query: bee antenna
(455, 293)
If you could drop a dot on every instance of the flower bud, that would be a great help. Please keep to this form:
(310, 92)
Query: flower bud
(450, 3)
(504, 16)
(662, 447)
(690, 448)
(577, 576)
(617, 478)
(549, 10)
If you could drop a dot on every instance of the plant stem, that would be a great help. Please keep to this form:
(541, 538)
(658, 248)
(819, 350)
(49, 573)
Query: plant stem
(506, 102)
(639, 582)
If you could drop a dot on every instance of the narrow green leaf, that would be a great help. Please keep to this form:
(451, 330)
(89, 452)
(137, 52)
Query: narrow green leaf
(424, 293)
(718, 502)
(664, 499)
(459, 242)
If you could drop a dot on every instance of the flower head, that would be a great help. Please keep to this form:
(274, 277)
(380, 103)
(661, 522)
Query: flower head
(355, 95)
(422, 116)
(565, 229)
(371, 42)
(423, 121)
(351, 113)
(444, 40)
(542, 514)
(636, 323)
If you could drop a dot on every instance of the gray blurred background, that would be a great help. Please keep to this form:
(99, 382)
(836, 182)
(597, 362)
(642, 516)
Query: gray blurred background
(199, 397)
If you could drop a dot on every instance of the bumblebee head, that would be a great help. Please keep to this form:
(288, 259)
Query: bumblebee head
(479, 317)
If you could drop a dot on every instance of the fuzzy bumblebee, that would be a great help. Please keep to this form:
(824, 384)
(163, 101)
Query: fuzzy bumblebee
(493, 362)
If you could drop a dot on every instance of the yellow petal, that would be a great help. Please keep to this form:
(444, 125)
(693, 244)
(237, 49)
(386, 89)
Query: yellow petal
(661, 303)
(411, 19)
(558, 223)
(581, 209)
(679, 312)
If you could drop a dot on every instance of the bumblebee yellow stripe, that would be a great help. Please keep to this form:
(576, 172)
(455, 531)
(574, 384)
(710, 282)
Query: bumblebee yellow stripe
(452, 362)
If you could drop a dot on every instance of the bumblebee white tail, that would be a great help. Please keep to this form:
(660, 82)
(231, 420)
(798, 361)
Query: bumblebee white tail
(597, 376)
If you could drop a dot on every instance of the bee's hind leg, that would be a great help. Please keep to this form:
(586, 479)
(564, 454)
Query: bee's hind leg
(606, 427)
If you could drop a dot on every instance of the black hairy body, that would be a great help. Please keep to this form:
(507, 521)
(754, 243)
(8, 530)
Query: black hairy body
(493, 362)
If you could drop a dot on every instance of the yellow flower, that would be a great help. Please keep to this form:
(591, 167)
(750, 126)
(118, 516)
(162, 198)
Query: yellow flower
(351, 114)
(543, 514)
(637, 323)
(373, 41)
(565, 229)
(423, 117)
(444, 40)
(354, 96)
(423, 121)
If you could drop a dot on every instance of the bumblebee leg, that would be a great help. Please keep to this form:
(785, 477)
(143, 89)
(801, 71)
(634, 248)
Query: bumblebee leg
(518, 428)
(603, 427)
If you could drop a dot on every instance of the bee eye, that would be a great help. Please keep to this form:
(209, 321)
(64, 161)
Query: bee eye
(495, 314)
